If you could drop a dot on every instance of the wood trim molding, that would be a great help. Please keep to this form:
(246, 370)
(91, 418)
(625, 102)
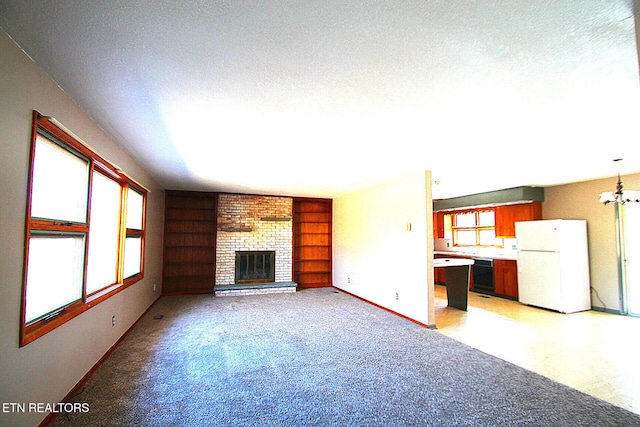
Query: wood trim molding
(386, 309)
(76, 389)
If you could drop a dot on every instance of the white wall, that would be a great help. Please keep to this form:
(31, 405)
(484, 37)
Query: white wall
(375, 256)
(48, 368)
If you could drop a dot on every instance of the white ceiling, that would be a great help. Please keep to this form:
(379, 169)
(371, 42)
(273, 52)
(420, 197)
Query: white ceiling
(321, 98)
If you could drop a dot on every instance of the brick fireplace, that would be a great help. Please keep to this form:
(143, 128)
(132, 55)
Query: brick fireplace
(253, 224)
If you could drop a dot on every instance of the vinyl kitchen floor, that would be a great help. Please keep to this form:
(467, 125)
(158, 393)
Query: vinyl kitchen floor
(597, 353)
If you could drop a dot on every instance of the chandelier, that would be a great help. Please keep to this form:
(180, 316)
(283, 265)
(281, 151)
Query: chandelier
(619, 196)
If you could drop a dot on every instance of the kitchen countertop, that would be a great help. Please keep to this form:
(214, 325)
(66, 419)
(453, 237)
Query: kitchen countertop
(472, 254)
(452, 262)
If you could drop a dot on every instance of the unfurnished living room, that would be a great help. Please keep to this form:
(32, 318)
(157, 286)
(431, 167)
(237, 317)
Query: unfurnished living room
(292, 213)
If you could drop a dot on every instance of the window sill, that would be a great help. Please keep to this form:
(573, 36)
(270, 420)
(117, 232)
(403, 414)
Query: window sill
(32, 332)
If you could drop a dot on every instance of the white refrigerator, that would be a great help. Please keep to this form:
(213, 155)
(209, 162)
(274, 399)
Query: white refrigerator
(553, 264)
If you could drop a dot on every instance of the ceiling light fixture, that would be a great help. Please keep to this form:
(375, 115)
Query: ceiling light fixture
(620, 195)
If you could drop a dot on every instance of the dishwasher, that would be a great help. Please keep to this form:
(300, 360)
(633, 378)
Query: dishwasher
(482, 272)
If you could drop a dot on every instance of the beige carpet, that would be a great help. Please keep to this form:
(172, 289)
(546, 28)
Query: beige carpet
(315, 358)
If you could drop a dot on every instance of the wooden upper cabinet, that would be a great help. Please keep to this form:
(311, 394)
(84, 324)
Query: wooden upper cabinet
(506, 217)
(438, 225)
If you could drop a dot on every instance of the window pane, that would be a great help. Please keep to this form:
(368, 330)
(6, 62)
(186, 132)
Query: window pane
(447, 227)
(632, 225)
(466, 220)
(103, 234)
(60, 183)
(466, 237)
(132, 255)
(487, 219)
(54, 273)
(488, 238)
(134, 209)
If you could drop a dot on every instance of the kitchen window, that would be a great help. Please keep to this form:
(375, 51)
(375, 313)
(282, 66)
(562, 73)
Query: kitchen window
(84, 233)
(475, 228)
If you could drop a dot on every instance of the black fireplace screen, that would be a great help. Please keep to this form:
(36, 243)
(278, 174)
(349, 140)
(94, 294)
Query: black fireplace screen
(255, 266)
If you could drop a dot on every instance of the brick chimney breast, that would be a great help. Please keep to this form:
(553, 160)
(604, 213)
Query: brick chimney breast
(254, 223)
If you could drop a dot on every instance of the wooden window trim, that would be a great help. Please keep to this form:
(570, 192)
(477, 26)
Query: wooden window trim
(477, 228)
(40, 327)
(134, 232)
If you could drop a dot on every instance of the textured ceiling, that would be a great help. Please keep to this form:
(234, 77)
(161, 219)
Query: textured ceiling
(321, 98)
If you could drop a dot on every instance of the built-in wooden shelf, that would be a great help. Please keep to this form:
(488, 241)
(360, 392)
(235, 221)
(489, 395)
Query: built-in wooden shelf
(189, 242)
(312, 242)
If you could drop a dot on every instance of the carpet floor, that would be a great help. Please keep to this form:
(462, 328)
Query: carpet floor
(317, 357)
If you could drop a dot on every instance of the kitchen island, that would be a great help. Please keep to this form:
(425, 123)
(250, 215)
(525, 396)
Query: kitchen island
(457, 276)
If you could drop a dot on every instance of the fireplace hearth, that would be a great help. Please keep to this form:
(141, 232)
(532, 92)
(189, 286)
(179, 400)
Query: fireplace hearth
(255, 266)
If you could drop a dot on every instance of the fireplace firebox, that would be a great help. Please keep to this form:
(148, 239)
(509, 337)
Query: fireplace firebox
(255, 266)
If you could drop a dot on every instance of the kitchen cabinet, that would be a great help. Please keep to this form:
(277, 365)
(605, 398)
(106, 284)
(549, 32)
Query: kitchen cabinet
(438, 273)
(438, 225)
(505, 277)
(507, 215)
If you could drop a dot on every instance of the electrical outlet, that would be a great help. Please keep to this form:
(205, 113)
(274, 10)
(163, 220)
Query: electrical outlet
(113, 321)
(397, 296)
(348, 279)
